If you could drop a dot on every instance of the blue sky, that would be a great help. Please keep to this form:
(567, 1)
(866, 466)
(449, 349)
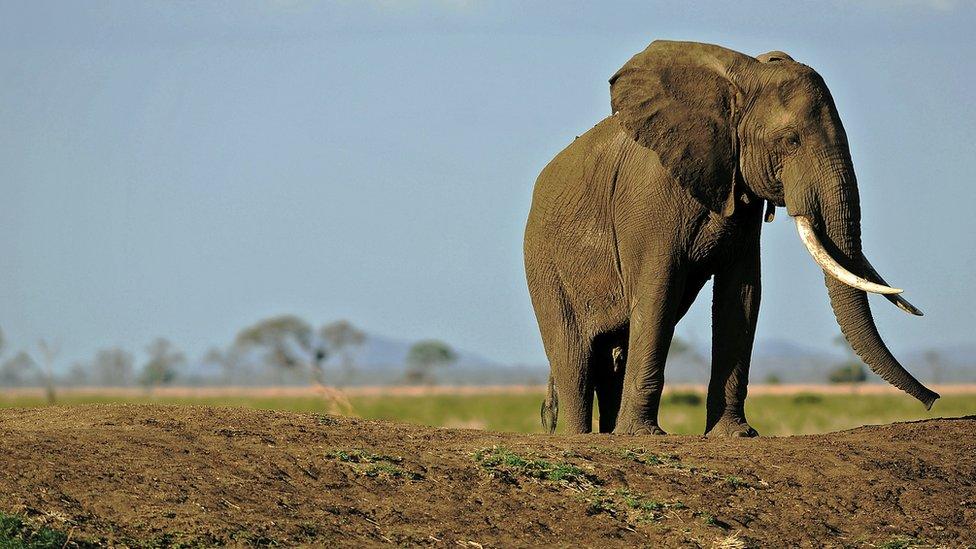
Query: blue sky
(181, 169)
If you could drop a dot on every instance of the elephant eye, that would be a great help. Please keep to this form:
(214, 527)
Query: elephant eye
(792, 141)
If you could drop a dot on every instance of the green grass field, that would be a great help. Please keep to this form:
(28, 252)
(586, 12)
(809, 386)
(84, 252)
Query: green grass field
(681, 412)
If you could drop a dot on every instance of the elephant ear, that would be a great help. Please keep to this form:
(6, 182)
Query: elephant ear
(676, 98)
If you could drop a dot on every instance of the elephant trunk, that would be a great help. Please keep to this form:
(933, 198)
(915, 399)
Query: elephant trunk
(840, 233)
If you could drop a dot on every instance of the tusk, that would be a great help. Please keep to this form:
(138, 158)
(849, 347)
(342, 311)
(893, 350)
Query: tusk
(898, 300)
(830, 265)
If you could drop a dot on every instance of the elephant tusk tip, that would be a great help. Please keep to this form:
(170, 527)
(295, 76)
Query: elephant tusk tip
(830, 265)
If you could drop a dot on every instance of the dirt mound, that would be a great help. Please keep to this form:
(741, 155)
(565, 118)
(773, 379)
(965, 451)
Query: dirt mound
(159, 475)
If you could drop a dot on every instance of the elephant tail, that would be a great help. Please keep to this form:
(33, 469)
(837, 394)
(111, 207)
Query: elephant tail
(550, 407)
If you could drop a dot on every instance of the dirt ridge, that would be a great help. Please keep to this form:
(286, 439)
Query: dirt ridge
(148, 475)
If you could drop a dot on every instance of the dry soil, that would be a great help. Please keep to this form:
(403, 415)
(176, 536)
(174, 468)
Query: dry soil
(161, 475)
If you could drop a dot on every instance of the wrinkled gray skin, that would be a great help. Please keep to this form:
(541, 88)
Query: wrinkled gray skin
(630, 221)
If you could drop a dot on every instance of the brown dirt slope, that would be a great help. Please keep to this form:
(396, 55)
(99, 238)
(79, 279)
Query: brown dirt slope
(158, 475)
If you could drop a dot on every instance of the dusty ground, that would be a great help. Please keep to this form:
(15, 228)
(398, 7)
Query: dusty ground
(157, 475)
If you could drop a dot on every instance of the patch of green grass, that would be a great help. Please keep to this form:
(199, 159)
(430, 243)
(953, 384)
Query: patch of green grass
(361, 456)
(735, 482)
(634, 507)
(374, 465)
(599, 502)
(16, 533)
(671, 461)
(902, 542)
(640, 455)
(508, 465)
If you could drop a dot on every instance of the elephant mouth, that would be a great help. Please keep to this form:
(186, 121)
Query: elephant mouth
(808, 235)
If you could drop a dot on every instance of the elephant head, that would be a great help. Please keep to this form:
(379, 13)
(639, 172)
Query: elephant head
(732, 128)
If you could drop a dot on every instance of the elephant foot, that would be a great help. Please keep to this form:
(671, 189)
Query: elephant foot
(638, 428)
(732, 427)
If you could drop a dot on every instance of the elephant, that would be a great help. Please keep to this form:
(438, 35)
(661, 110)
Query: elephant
(630, 220)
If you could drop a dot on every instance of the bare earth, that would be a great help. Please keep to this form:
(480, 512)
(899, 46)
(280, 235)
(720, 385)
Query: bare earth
(156, 475)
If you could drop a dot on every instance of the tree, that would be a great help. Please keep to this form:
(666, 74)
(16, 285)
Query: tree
(341, 336)
(164, 359)
(78, 374)
(934, 361)
(289, 343)
(49, 352)
(14, 370)
(686, 351)
(225, 361)
(678, 347)
(851, 370)
(426, 355)
(113, 367)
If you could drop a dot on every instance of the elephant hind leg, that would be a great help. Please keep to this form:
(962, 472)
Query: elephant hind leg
(568, 350)
(575, 389)
(607, 363)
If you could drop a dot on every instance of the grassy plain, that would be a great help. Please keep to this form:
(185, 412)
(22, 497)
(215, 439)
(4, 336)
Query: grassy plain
(682, 411)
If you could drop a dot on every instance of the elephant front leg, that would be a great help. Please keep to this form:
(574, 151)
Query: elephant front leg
(651, 329)
(735, 309)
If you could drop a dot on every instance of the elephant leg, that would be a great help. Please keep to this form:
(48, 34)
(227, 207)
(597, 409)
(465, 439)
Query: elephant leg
(609, 364)
(569, 355)
(651, 329)
(735, 309)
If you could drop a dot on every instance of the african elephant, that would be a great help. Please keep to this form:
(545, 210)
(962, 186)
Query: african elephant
(631, 219)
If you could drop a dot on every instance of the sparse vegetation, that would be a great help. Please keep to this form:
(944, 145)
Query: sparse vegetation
(671, 461)
(374, 465)
(631, 507)
(902, 542)
(510, 466)
(16, 533)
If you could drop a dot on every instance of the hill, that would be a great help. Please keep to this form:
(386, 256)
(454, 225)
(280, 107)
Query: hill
(158, 475)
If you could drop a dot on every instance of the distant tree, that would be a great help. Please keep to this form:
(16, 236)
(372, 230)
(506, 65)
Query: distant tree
(14, 370)
(851, 370)
(161, 368)
(49, 352)
(682, 350)
(217, 357)
(934, 361)
(79, 374)
(424, 357)
(773, 379)
(341, 336)
(289, 344)
(679, 347)
(113, 367)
